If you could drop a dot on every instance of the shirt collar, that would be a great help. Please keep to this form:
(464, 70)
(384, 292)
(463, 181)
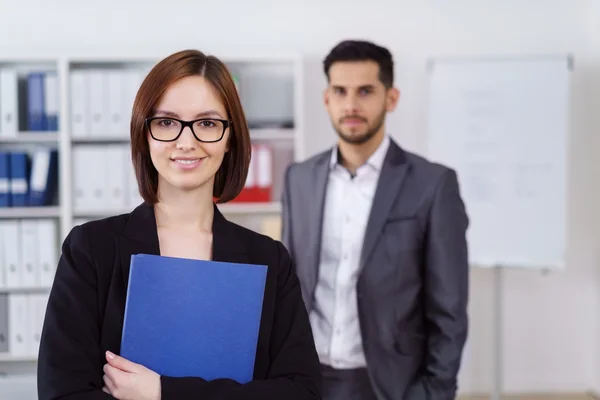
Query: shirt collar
(376, 159)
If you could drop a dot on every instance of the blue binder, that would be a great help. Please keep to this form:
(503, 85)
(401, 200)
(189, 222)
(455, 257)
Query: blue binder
(4, 179)
(19, 178)
(192, 318)
(36, 120)
(43, 181)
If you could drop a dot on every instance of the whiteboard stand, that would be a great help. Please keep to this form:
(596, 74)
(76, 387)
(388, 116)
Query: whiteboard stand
(498, 367)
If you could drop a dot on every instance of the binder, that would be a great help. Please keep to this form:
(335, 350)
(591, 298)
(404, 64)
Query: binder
(3, 257)
(19, 178)
(116, 179)
(134, 198)
(4, 179)
(19, 342)
(36, 307)
(117, 123)
(44, 174)
(195, 318)
(29, 246)
(51, 101)
(47, 250)
(3, 322)
(89, 185)
(247, 192)
(80, 105)
(35, 102)
(9, 95)
(98, 101)
(264, 179)
(11, 239)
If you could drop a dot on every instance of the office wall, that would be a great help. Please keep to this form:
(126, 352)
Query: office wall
(551, 321)
(593, 50)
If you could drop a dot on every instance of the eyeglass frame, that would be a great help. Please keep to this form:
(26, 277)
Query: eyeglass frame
(226, 124)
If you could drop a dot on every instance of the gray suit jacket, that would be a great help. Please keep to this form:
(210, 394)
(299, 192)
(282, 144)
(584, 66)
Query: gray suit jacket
(413, 284)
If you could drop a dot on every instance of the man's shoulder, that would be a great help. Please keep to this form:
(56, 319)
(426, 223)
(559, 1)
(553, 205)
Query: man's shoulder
(425, 167)
(308, 165)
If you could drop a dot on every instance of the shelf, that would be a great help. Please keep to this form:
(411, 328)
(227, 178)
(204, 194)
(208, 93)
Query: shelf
(25, 289)
(229, 208)
(4, 357)
(272, 134)
(100, 140)
(250, 208)
(31, 137)
(29, 212)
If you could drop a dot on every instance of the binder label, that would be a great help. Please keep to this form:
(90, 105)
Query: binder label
(18, 186)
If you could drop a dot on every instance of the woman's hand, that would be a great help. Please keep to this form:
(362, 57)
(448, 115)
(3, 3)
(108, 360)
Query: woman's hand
(126, 380)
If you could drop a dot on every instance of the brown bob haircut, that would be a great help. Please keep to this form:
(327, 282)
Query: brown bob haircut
(231, 176)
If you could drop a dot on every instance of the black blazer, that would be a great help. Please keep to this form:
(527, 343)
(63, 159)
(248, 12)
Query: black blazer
(85, 312)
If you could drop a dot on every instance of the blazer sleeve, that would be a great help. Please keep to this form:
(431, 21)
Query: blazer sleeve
(294, 372)
(446, 292)
(70, 360)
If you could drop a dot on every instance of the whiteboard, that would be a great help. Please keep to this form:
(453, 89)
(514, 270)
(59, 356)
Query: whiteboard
(502, 124)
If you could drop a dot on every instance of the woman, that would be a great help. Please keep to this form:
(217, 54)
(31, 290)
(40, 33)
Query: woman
(180, 167)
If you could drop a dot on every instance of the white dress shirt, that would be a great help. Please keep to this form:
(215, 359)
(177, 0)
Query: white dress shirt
(334, 317)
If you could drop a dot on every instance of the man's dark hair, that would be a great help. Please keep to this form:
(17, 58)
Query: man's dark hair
(360, 50)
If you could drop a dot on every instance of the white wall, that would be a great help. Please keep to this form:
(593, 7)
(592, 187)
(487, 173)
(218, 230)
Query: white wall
(593, 23)
(551, 322)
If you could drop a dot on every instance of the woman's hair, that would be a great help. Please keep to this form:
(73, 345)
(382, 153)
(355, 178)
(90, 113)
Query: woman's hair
(231, 176)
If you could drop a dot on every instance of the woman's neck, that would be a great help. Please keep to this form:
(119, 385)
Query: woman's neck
(189, 211)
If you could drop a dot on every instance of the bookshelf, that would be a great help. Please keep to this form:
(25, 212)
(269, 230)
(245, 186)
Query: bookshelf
(270, 88)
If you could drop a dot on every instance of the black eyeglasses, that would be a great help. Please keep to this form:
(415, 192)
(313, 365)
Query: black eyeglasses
(206, 130)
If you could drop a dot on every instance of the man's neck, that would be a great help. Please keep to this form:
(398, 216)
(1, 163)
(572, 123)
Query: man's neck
(355, 155)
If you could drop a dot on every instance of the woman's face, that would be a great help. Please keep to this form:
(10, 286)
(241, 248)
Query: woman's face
(186, 164)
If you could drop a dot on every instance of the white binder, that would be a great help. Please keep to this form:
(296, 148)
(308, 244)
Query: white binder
(18, 324)
(80, 124)
(117, 119)
(48, 250)
(98, 100)
(9, 117)
(12, 253)
(3, 260)
(36, 307)
(52, 103)
(29, 244)
(116, 178)
(134, 198)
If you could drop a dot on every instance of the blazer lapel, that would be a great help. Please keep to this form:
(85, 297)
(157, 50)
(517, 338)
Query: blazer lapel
(318, 186)
(392, 175)
(140, 236)
(227, 246)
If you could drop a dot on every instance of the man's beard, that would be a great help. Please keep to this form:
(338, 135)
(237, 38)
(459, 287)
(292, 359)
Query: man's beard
(361, 138)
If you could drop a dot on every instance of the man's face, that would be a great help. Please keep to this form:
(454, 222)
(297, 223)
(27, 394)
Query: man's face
(357, 101)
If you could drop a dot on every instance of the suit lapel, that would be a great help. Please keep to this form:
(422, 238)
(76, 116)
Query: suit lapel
(392, 175)
(227, 245)
(318, 187)
(139, 237)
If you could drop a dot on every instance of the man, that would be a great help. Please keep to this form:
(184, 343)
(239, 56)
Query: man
(378, 237)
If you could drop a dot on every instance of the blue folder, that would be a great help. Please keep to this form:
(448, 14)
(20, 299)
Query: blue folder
(193, 318)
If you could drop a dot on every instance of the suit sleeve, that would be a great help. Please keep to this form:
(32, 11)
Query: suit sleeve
(70, 360)
(294, 372)
(286, 217)
(446, 293)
